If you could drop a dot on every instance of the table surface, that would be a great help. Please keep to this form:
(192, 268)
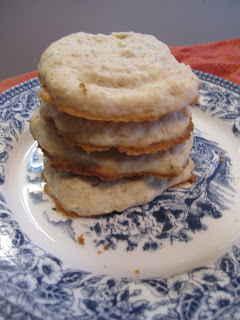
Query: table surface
(28, 27)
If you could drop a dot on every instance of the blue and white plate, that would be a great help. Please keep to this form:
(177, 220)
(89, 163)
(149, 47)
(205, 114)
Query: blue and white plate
(177, 257)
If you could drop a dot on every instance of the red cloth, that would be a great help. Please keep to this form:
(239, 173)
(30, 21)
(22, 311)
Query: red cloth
(221, 58)
(11, 82)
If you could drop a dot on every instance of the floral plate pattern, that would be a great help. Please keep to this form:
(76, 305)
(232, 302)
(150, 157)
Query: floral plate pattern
(37, 284)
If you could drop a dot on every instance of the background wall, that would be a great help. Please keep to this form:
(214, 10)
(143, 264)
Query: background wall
(27, 27)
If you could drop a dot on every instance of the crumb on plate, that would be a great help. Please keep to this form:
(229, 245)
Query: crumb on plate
(81, 240)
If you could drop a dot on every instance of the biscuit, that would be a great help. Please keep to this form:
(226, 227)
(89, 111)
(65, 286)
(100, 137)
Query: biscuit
(134, 138)
(116, 77)
(108, 165)
(91, 196)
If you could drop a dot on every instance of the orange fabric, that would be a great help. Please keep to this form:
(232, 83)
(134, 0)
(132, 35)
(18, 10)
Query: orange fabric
(221, 58)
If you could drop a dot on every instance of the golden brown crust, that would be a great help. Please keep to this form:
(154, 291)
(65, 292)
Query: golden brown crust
(191, 180)
(102, 173)
(66, 213)
(59, 208)
(46, 96)
(131, 137)
(196, 99)
(152, 148)
(72, 214)
(108, 165)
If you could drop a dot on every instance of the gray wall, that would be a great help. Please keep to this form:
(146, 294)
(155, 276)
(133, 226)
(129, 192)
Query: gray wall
(27, 27)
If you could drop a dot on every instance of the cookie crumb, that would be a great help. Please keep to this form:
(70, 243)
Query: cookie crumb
(105, 247)
(83, 86)
(105, 266)
(99, 252)
(137, 271)
(221, 158)
(81, 240)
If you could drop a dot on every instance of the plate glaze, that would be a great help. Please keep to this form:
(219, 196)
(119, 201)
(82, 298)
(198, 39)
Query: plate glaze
(135, 264)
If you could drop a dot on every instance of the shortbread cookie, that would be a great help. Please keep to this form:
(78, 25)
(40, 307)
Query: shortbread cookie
(91, 196)
(131, 137)
(116, 77)
(108, 165)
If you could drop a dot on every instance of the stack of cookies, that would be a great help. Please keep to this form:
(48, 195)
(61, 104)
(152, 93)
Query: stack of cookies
(114, 122)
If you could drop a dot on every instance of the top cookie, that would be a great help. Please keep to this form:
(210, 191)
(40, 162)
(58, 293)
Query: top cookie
(116, 77)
